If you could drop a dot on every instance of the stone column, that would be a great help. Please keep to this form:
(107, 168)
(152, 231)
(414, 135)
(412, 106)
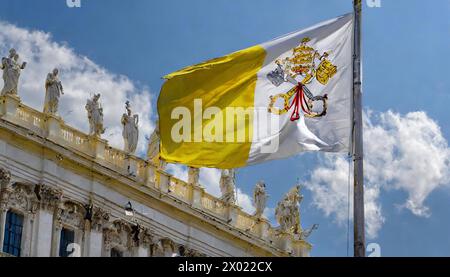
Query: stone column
(43, 236)
(44, 239)
(5, 191)
(94, 238)
(56, 238)
(95, 243)
(79, 243)
(3, 212)
(27, 234)
(143, 251)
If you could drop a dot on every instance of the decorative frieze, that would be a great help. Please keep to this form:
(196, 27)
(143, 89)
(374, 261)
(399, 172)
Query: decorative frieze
(118, 235)
(22, 198)
(71, 214)
(146, 237)
(99, 218)
(156, 248)
(49, 198)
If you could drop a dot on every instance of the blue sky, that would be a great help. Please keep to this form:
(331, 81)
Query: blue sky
(406, 55)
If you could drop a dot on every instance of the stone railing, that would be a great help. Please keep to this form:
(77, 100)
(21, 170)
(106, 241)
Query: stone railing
(54, 129)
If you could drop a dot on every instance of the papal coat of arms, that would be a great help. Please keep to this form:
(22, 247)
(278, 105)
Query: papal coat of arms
(303, 62)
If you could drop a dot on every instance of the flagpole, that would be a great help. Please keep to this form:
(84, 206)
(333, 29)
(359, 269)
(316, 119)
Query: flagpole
(358, 176)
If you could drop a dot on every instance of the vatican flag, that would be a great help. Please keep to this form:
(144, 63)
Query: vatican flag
(271, 101)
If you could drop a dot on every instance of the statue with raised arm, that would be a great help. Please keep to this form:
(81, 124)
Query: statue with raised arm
(153, 153)
(259, 198)
(227, 185)
(130, 131)
(287, 211)
(95, 116)
(11, 72)
(193, 176)
(53, 90)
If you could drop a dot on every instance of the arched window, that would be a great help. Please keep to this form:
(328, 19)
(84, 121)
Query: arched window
(116, 253)
(67, 238)
(13, 233)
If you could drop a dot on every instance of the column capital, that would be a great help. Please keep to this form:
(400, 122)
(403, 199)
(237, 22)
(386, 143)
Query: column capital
(99, 219)
(5, 178)
(49, 198)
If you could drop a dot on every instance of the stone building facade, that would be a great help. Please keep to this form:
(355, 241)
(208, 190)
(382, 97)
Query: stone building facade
(64, 193)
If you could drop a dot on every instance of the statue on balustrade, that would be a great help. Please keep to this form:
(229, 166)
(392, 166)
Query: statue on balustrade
(11, 72)
(227, 185)
(260, 198)
(153, 152)
(130, 131)
(95, 116)
(53, 90)
(193, 176)
(287, 211)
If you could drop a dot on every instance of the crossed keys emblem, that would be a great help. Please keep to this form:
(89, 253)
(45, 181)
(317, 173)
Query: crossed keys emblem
(301, 63)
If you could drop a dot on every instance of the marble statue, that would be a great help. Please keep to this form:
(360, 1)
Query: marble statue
(227, 185)
(130, 131)
(11, 72)
(153, 154)
(287, 211)
(95, 116)
(53, 90)
(193, 175)
(259, 198)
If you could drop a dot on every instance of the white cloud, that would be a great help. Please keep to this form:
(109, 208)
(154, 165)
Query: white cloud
(209, 178)
(407, 153)
(178, 171)
(245, 202)
(80, 77)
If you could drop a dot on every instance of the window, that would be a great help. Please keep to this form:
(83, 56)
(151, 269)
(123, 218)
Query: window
(13, 233)
(67, 238)
(116, 253)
